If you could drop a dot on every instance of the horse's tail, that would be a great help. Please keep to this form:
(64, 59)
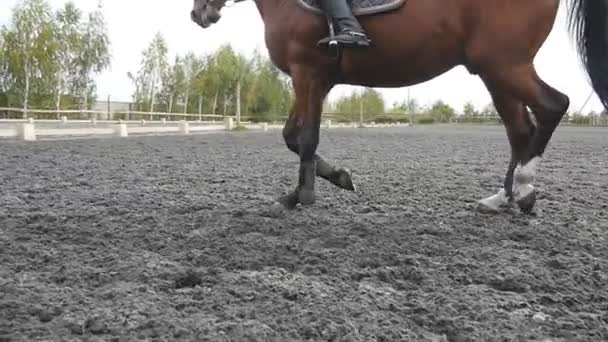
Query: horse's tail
(588, 22)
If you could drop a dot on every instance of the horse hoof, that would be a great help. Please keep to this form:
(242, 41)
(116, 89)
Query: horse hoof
(485, 207)
(526, 203)
(492, 204)
(345, 180)
(306, 197)
(289, 201)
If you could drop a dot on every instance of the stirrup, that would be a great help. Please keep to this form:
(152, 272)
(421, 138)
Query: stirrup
(332, 41)
(334, 44)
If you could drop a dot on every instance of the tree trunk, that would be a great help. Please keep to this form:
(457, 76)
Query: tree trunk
(187, 99)
(225, 103)
(26, 93)
(238, 102)
(171, 104)
(200, 106)
(215, 103)
(84, 102)
(151, 101)
(58, 99)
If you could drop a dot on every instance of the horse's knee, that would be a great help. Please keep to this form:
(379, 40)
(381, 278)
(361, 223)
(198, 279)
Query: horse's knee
(290, 135)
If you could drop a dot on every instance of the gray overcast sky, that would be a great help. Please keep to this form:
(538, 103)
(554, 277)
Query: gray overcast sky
(132, 24)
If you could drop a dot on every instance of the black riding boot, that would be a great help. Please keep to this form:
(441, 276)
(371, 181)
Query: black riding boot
(347, 27)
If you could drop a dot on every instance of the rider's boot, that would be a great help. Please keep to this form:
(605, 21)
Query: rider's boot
(348, 30)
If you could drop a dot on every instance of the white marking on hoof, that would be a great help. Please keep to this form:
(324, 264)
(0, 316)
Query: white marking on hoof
(525, 174)
(494, 202)
(523, 178)
(522, 190)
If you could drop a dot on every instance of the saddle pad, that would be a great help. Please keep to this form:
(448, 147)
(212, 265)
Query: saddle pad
(359, 7)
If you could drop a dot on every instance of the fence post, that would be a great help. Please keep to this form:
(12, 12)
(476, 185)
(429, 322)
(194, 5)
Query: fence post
(26, 132)
(265, 126)
(121, 130)
(64, 119)
(229, 123)
(184, 128)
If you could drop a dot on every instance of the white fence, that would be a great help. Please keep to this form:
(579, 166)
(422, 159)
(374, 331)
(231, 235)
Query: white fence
(30, 130)
(104, 115)
(69, 123)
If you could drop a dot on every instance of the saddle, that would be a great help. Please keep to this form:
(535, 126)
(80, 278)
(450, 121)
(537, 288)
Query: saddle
(359, 7)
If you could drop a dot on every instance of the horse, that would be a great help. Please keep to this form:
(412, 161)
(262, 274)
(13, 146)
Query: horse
(416, 41)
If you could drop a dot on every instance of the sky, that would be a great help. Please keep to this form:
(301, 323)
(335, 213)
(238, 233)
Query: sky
(133, 23)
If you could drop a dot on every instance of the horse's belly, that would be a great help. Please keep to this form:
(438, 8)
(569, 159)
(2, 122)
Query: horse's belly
(412, 45)
(408, 69)
(395, 75)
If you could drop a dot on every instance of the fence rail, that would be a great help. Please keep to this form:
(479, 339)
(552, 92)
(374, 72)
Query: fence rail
(123, 124)
(5, 113)
(30, 129)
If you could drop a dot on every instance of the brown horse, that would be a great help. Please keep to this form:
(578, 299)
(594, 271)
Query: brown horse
(495, 39)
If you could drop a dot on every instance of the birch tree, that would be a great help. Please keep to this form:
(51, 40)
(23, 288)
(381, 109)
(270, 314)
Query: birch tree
(69, 40)
(93, 54)
(173, 84)
(152, 68)
(192, 67)
(26, 48)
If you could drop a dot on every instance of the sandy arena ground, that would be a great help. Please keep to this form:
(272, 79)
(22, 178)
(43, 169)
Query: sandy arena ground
(174, 238)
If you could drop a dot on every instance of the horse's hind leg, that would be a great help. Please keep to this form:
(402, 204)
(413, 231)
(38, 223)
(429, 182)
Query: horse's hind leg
(520, 129)
(548, 106)
(340, 177)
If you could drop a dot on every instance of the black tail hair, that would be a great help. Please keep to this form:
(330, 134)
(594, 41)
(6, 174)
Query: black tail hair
(588, 22)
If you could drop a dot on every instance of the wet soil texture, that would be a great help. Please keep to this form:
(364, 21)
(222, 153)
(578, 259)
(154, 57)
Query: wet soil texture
(175, 238)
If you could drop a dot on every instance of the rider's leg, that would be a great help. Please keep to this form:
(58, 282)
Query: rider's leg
(348, 29)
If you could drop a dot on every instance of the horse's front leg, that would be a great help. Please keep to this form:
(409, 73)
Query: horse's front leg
(310, 90)
(338, 176)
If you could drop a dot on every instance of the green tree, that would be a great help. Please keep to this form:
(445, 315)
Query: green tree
(192, 66)
(369, 103)
(469, 110)
(441, 112)
(224, 73)
(489, 110)
(153, 66)
(411, 107)
(69, 37)
(269, 93)
(229, 71)
(93, 55)
(173, 84)
(28, 46)
(5, 79)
